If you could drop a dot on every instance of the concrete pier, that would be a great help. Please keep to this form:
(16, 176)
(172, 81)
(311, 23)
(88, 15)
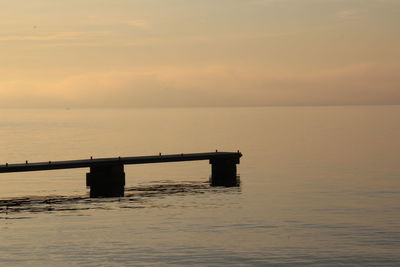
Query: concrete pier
(107, 177)
(106, 180)
(223, 172)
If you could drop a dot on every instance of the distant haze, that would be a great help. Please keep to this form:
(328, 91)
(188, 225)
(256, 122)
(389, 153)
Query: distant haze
(166, 53)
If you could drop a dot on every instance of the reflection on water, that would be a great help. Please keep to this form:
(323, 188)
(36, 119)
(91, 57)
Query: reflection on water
(135, 197)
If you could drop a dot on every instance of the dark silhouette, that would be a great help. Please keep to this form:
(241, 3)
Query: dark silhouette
(107, 177)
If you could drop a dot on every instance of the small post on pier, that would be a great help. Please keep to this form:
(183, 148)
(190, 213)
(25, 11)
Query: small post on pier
(223, 171)
(106, 180)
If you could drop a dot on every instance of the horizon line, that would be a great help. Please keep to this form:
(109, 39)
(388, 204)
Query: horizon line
(185, 107)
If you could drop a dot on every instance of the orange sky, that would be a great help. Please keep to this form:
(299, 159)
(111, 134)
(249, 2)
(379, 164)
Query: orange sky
(157, 53)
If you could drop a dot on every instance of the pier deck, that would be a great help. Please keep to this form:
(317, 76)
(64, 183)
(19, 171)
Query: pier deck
(87, 163)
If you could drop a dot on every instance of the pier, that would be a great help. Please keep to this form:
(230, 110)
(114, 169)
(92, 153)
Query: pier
(106, 176)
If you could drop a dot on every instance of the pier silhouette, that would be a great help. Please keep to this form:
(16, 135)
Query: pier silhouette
(107, 177)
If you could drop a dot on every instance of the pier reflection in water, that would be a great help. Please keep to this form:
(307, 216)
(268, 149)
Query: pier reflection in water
(135, 197)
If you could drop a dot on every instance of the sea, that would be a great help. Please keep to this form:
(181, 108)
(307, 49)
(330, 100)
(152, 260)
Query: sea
(319, 186)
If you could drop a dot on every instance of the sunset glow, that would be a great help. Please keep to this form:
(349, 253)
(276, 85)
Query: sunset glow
(199, 53)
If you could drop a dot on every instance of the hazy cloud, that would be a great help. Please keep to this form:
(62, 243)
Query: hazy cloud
(346, 13)
(138, 23)
(217, 85)
(97, 20)
(58, 36)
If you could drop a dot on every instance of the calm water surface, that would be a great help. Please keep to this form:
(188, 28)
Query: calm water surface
(320, 186)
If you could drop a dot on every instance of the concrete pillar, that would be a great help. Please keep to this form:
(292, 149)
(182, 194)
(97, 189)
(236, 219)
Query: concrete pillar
(223, 172)
(106, 180)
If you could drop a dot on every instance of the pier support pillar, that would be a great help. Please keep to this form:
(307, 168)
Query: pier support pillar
(106, 180)
(223, 172)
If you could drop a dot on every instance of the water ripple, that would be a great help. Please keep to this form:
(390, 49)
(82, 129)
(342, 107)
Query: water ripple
(135, 197)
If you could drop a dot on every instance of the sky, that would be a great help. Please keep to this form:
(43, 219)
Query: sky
(179, 53)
